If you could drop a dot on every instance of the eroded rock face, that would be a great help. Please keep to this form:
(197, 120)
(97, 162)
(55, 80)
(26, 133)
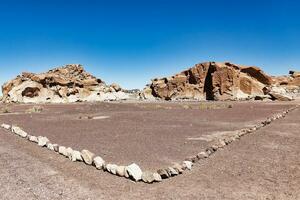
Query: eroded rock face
(69, 83)
(287, 85)
(210, 81)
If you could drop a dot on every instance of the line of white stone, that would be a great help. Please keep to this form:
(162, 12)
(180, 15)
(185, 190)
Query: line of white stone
(133, 171)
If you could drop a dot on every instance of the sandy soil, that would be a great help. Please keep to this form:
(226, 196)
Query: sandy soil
(264, 165)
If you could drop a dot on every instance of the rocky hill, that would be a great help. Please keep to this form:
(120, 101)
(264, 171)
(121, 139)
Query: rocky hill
(219, 81)
(70, 83)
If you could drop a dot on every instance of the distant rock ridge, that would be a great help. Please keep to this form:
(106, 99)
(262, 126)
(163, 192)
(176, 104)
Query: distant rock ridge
(69, 83)
(215, 81)
(204, 81)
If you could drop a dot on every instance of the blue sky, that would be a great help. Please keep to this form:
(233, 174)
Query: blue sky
(130, 42)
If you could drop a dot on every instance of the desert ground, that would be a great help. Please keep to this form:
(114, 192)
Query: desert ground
(261, 165)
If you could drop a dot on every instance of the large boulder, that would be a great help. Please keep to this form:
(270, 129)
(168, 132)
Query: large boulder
(210, 81)
(70, 83)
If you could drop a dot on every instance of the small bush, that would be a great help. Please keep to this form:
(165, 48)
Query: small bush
(5, 110)
(35, 109)
(187, 107)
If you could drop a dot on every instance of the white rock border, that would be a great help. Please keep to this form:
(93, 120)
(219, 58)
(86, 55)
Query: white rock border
(133, 171)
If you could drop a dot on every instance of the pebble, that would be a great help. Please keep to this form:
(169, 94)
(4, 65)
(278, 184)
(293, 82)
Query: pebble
(62, 150)
(42, 141)
(112, 168)
(172, 171)
(50, 146)
(178, 168)
(163, 173)
(134, 172)
(55, 147)
(87, 156)
(5, 126)
(69, 151)
(188, 164)
(202, 155)
(148, 177)
(121, 171)
(18, 131)
(76, 156)
(210, 151)
(33, 138)
(157, 177)
(98, 162)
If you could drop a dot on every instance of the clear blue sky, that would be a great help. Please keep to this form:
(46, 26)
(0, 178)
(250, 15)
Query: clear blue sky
(130, 42)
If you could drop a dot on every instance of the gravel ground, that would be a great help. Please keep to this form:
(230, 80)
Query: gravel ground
(264, 165)
(152, 135)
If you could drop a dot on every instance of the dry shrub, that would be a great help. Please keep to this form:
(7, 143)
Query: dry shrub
(35, 109)
(204, 106)
(186, 107)
(5, 110)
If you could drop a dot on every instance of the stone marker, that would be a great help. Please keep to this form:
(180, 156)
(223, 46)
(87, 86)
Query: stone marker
(178, 168)
(121, 171)
(17, 130)
(62, 150)
(157, 177)
(33, 138)
(5, 126)
(134, 171)
(188, 164)
(42, 141)
(76, 156)
(202, 155)
(172, 171)
(113, 169)
(148, 177)
(69, 151)
(163, 173)
(98, 162)
(50, 146)
(55, 147)
(87, 156)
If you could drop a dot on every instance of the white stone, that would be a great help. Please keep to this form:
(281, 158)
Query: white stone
(98, 162)
(17, 130)
(69, 151)
(5, 126)
(87, 156)
(62, 150)
(134, 171)
(42, 141)
(55, 147)
(148, 177)
(157, 177)
(188, 164)
(33, 138)
(113, 169)
(50, 146)
(202, 155)
(172, 171)
(121, 171)
(76, 156)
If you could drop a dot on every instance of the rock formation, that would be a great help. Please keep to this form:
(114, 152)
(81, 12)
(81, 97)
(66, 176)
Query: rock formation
(70, 83)
(287, 85)
(211, 81)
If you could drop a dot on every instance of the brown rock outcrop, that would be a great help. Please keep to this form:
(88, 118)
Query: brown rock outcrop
(290, 85)
(292, 80)
(69, 83)
(211, 81)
